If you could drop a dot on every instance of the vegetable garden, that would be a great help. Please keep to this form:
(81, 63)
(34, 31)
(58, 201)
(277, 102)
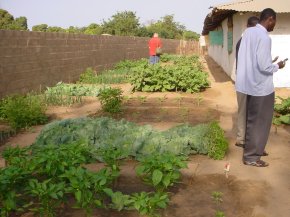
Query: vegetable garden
(52, 174)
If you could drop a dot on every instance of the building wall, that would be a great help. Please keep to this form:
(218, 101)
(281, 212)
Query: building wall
(280, 46)
(220, 53)
(34, 60)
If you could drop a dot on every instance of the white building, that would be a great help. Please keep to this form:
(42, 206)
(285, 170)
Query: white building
(225, 24)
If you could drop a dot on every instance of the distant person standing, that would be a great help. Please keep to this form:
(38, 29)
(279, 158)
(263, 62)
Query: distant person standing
(153, 44)
(255, 79)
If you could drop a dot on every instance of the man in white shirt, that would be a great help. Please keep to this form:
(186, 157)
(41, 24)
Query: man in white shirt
(255, 79)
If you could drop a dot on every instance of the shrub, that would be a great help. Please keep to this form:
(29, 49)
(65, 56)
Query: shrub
(111, 99)
(23, 111)
(88, 77)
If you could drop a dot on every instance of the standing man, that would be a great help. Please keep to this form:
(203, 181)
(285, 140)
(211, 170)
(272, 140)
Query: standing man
(154, 43)
(241, 97)
(255, 79)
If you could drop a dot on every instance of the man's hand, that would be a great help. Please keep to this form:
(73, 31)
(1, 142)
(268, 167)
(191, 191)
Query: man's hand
(281, 64)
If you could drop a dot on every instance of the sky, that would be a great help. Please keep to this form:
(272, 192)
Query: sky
(65, 13)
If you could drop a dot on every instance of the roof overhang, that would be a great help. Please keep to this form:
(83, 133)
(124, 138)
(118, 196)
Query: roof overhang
(221, 12)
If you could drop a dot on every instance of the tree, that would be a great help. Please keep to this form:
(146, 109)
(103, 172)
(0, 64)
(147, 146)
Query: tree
(55, 29)
(167, 28)
(73, 29)
(123, 23)
(20, 23)
(7, 21)
(40, 28)
(143, 32)
(93, 29)
(190, 35)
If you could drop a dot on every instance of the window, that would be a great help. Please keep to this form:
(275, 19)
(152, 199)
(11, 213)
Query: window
(216, 37)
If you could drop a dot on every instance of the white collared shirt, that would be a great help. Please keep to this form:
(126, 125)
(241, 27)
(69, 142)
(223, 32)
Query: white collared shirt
(255, 68)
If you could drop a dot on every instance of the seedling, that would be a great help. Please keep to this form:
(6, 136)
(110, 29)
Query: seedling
(179, 99)
(217, 198)
(162, 99)
(142, 99)
(198, 99)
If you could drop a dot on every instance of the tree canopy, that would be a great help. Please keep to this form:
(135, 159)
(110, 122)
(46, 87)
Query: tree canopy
(124, 23)
(7, 21)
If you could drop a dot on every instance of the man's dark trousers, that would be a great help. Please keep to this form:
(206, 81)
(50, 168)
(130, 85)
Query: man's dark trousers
(259, 120)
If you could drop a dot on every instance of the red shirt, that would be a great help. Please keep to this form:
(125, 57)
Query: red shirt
(153, 44)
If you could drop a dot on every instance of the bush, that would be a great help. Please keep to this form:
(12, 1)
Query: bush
(88, 77)
(185, 74)
(111, 99)
(23, 111)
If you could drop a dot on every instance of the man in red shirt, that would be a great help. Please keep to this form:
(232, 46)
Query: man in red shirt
(154, 43)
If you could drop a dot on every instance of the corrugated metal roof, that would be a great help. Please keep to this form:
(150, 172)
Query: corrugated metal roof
(279, 6)
(222, 11)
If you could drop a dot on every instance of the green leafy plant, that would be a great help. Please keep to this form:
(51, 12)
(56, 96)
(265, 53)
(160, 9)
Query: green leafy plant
(120, 201)
(218, 145)
(67, 94)
(217, 198)
(148, 203)
(12, 180)
(82, 184)
(161, 170)
(88, 76)
(46, 196)
(23, 111)
(198, 99)
(111, 99)
(282, 111)
(207, 139)
(184, 75)
(142, 99)
(12, 155)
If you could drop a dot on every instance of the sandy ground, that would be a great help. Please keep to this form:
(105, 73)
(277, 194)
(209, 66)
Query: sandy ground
(247, 192)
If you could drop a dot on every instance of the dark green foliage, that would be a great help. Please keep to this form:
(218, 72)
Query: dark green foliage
(23, 111)
(167, 28)
(7, 21)
(190, 35)
(161, 170)
(122, 23)
(111, 99)
(88, 76)
(282, 111)
(185, 74)
(40, 178)
(207, 139)
(55, 29)
(148, 203)
(217, 144)
(93, 29)
(40, 28)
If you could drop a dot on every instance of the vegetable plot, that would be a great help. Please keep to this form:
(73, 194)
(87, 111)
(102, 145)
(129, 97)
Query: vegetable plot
(183, 74)
(134, 140)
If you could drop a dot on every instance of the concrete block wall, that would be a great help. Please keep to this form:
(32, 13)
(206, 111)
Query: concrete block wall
(34, 60)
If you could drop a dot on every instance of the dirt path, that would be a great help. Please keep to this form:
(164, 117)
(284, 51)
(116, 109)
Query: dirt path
(248, 191)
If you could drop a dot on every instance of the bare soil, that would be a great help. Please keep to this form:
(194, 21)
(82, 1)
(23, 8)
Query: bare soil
(247, 191)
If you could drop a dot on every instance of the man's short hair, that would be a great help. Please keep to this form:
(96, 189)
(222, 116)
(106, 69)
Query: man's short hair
(252, 21)
(266, 13)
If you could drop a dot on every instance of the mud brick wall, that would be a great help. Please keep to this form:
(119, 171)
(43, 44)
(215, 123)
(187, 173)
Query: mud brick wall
(34, 60)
